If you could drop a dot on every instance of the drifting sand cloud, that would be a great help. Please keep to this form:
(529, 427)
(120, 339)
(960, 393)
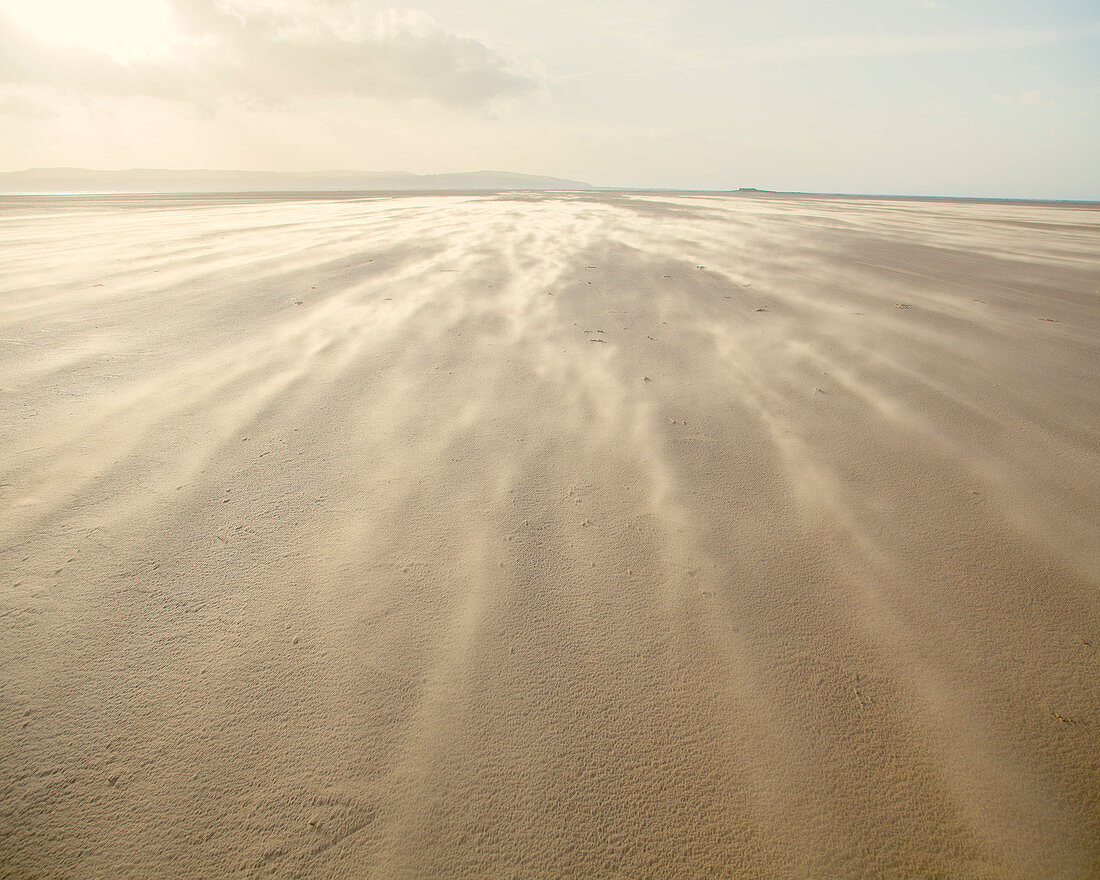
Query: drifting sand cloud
(549, 536)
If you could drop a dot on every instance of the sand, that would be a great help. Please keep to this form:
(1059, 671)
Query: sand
(549, 536)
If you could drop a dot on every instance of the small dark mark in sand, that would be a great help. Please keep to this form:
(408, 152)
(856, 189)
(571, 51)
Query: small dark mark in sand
(902, 306)
(1049, 320)
(761, 310)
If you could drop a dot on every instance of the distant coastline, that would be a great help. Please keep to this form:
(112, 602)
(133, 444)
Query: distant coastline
(73, 181)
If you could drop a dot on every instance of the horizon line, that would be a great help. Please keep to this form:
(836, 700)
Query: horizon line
(587, 186)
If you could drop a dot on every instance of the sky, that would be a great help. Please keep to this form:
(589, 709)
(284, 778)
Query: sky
(994, 98)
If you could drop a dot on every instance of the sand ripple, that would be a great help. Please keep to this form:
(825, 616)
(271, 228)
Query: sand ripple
(545, 536)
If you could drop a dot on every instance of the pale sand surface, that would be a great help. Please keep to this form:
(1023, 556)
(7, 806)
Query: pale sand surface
(549, 536)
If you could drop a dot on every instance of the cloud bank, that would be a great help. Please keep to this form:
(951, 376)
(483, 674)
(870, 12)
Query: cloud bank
(272, 53)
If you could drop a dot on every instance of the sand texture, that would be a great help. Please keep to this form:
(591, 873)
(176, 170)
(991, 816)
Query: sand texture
(549, 536)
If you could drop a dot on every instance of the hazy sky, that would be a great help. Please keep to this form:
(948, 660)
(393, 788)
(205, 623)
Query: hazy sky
(985, 97)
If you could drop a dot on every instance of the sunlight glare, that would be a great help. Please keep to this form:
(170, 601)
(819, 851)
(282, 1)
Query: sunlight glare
(121, 28)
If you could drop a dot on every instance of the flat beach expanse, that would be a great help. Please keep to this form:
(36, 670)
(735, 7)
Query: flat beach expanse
(549, 535)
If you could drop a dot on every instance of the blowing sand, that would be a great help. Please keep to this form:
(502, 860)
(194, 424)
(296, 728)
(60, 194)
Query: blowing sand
(549, 536)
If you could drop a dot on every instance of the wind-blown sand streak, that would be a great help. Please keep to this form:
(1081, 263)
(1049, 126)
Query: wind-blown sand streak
(549, 535)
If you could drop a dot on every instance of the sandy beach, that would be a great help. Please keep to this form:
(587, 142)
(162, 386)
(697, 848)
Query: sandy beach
(547, 536)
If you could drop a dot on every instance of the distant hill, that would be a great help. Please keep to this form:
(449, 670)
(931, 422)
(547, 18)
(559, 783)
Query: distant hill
(147, 180)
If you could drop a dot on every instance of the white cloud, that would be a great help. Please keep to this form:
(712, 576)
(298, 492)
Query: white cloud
(274, 52)
(807, 48)
(24, 104)
(815, 47)
(1027, 97)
